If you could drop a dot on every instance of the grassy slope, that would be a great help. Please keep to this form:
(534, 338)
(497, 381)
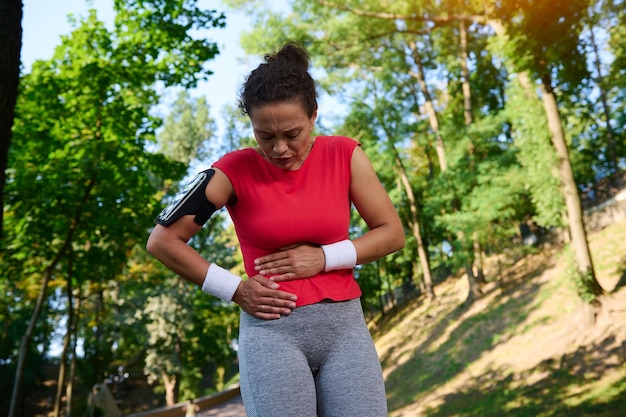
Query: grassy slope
(520, 350)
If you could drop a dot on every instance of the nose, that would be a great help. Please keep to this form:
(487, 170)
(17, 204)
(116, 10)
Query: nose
(280, 147)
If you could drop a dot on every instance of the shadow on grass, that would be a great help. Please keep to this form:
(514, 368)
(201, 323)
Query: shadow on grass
(553, 394)
(430, 367)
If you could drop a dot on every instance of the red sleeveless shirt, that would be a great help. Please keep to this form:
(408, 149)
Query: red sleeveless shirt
(277, 208)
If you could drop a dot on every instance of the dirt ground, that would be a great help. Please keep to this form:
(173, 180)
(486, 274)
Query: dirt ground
(540, 326)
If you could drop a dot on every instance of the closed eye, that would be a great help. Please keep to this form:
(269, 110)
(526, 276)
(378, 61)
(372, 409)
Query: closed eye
(293, 134)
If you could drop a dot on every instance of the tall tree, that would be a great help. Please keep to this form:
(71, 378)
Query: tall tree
(544, 40)
(10, 48)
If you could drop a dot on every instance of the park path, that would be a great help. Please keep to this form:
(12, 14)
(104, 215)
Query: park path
(230, 408)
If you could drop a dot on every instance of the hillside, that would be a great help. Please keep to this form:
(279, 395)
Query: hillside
(519, 350)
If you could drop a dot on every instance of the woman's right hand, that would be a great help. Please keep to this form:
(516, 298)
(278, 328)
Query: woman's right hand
(261, 298)
(301, 260)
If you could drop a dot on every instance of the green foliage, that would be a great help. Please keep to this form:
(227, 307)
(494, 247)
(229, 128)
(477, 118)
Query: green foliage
(166, 327)
(237, 130)
(586, 286)
(187, 131)
(544, 37)
(155, 39)
(537, 156)
(82, 187)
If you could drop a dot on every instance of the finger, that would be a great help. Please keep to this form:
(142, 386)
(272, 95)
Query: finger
(274, 270)
(264, 282)
(270, 311)
(283, 277)
(266, 316)
(276, 303)
(284, 298)
(277, 256)
(273, 293)
(273, 267)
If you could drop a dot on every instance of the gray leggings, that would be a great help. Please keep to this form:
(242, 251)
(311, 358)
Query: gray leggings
(319, 361)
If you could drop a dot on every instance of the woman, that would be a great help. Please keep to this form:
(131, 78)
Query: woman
(304, 347)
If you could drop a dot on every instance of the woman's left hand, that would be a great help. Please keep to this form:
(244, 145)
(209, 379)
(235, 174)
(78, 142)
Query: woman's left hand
(294, 262)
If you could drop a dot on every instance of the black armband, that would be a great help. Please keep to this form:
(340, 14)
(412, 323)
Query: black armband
(190, 200)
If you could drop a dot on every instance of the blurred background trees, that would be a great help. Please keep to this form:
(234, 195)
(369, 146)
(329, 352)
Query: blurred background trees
(482, 119)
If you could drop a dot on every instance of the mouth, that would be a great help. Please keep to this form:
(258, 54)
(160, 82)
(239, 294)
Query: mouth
(281, 160)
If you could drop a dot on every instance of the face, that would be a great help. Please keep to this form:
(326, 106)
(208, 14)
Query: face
(283, 132)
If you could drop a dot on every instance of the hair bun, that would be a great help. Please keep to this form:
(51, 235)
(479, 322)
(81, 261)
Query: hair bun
(291, 52)
(283, 78)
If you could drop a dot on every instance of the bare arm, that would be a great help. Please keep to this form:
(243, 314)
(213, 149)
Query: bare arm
(169, 244)
(386, 233)
(257, 296)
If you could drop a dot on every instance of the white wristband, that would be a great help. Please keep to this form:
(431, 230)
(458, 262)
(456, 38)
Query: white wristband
(220, 282)
(339, 255)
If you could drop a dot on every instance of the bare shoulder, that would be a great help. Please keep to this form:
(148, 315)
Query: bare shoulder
(361, 166)
(220, 189)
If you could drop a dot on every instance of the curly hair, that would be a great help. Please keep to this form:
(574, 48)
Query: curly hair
(282, 78)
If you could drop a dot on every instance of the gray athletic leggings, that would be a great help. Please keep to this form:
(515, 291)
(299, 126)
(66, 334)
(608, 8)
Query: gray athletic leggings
(319, 361)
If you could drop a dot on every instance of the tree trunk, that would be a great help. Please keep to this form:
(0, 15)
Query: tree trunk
(170, 382)
(474, 288)
(25, 344)
(478, 261)
(61, 378)
(577, 231)
(467, 91)
(414, 217)
(381, 297)
(70, 380)
(390, 293)
(10, 48)
(570, 190)
(415, 227)
(467, 112)
(429, 107)
(420, 280)
(66, 343)
(474, 291)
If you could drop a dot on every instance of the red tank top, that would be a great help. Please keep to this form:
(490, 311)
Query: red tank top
(277, 208)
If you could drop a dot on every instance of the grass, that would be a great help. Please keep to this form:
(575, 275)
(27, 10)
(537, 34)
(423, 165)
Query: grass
(519, 350)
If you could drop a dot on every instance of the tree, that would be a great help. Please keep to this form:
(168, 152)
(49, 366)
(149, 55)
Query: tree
(10, 47)
(167, 326)
(84, 122)
(544, 40)
(187, 131)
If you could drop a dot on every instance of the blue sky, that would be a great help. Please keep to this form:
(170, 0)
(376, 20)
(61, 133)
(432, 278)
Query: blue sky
(44, 22)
